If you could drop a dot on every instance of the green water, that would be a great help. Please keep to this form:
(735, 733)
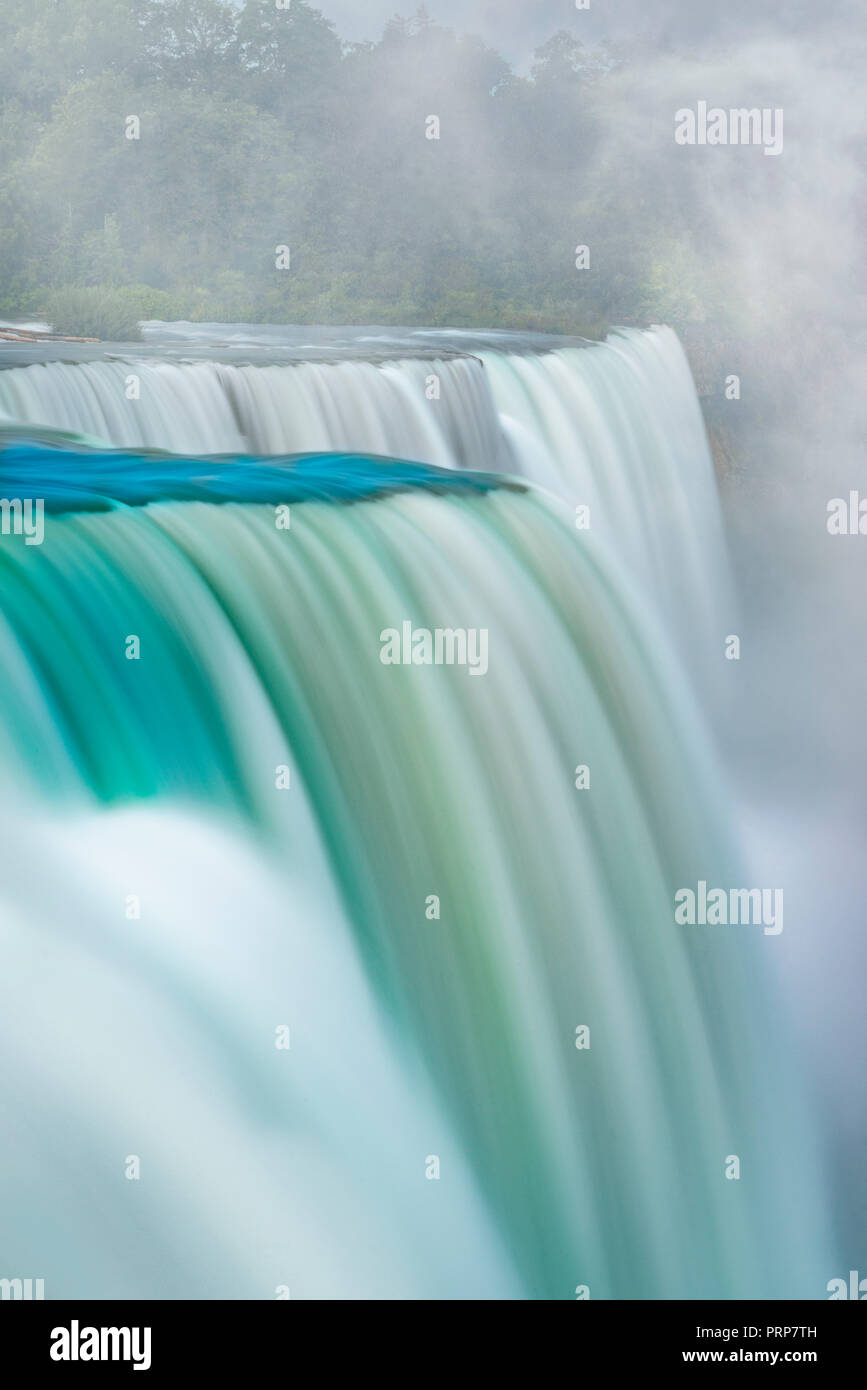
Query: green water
(260, 649)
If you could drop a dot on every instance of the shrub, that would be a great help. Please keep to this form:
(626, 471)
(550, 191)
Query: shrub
(103, 311)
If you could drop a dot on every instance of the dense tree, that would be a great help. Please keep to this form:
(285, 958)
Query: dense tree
(189, 43)
(286, 61)
(166, 148)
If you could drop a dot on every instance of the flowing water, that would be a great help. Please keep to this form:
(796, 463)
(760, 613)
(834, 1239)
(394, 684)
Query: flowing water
(255, 832)
(615, 427)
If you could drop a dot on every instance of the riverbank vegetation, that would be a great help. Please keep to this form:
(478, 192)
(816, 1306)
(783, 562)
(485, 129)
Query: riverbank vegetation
(204, 160)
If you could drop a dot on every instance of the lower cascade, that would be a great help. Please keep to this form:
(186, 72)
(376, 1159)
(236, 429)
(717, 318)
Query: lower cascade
(340, 976)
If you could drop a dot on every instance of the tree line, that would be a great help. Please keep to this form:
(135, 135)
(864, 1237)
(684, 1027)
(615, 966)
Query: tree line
(209, 160)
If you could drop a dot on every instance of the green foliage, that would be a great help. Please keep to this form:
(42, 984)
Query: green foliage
(103, 311)
(258, 128)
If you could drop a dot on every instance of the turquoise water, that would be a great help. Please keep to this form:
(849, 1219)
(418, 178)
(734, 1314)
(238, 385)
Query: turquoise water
(77, 478)
(299, 945)
(223, 817)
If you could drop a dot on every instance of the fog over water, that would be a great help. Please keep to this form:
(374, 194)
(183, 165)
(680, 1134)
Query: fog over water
(755, 260)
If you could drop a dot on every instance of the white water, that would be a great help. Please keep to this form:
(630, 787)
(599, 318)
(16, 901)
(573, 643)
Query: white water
(155, 1037)
(615, 427)
(260, 1169)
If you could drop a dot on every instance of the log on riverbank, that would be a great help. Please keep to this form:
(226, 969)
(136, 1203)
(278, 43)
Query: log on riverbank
(28, 335)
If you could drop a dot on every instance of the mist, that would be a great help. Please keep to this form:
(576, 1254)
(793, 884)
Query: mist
(513, 166)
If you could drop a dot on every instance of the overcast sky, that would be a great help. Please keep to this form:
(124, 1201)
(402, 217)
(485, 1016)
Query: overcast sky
(516, 27)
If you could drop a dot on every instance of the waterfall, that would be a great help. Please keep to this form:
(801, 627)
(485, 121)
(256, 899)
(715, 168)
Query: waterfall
(258, 829)
(613, 427)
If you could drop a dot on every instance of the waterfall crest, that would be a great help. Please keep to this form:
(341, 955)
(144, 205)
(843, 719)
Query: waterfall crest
(286, 808)
(614, 427)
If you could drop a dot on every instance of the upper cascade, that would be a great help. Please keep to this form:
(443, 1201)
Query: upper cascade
(614, 429)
